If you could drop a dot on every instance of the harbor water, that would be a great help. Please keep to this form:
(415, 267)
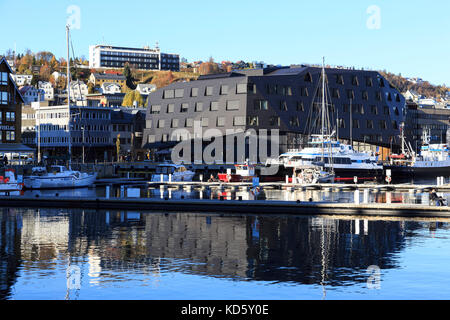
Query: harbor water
(88, 254)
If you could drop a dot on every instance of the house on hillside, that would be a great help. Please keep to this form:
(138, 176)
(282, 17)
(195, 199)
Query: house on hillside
(110, 88)
(31, 94)
(145, 88)
(97, 79)
(49, 91)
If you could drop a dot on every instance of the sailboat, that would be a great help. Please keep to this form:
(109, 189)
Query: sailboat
(58, 177)
(311, 172)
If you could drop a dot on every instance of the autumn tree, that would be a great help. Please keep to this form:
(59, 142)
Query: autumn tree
(208, 68)
(131, 97)
(163, 79)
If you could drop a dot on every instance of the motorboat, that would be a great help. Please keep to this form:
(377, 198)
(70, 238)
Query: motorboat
(242, 173)
(172, 172)
(58, 177)
(8, 182)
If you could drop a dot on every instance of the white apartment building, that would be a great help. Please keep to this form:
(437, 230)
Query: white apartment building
(146, 58)
(78, 91)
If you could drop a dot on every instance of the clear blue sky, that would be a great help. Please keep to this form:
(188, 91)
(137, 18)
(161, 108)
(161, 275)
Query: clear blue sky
(413, 36)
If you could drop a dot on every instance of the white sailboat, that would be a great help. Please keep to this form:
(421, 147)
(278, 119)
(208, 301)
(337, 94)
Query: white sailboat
(317, 171)
(59, 176)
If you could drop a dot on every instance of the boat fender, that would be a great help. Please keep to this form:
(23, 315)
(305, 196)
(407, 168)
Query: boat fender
(229, 177)
(388, 179)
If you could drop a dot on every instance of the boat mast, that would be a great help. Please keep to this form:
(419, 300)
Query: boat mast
(323, 106)
(68, 97)
(39, 128)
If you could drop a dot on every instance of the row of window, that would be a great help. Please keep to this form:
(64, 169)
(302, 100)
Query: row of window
(209, 90)
(75, 140)
(382, 124)
(10, 135)
(198, 107)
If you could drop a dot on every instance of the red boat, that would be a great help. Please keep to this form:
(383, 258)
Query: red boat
(243, 173)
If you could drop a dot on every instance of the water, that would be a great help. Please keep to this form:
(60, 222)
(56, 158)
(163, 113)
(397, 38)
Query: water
(83, 254)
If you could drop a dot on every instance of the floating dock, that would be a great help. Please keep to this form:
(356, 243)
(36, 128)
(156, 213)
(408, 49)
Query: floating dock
(229, 206)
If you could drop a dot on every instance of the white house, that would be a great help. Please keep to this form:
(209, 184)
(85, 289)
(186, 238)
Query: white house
(57, 74)
(110, 88)
(31, 94)
(145, 88)
(48, 89)
(22, 79)
(412, 95)
(78, 90)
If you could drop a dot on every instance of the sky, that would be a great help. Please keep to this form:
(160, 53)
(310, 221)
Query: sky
(411, 38)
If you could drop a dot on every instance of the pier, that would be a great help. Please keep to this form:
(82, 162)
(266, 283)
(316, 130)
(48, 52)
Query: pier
(230, 206)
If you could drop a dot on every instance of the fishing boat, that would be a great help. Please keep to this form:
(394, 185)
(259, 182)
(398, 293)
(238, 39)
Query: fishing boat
(8, 182)
(242, 173)
(172, 172)
(432, 161)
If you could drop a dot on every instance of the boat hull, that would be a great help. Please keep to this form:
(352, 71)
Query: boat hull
(48, 182)
(399, 172)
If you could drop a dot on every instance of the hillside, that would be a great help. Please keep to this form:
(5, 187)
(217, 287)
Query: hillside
(424, 88)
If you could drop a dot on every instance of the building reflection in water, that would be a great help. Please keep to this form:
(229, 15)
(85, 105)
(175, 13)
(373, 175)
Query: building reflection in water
(119, 246)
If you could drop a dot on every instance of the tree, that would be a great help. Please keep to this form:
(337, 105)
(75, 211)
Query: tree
(208, 68)
(163, 79)
(131, 97)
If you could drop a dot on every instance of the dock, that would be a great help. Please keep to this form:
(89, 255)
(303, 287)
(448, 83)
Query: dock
(229, 206)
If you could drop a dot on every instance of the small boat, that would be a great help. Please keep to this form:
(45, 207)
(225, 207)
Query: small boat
(243, 173)
(314, 175)
(58, 177)
(177, 173)
(9, 182)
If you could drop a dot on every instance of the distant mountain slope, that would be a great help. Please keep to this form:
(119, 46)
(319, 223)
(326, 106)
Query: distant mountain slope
(425, 88)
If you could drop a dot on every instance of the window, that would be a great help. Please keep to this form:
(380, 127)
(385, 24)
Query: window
(300, 106)
(252, 120)
(241, 88)
(10, 116)
(189, 123)
(335, 93)
(251, 88)
(198, 106)
(274, 121)
(394, 124)
(160, 123)
(341, 123)
(365, 95)
(355, 81)
(168, 94)
(220, 121)
(383, 124)
(223, 89)
(355, 123)
(155, 109)
(3, 97)
(205, 122)
(350, 94)
(369, 124)
(174, 123)
(339, 79)
(308, 77)
(303, 92)
(374, 109)
(293, 122)
(369, 82)
(10, 135)
(233, 105)
(239, 121)
(4, 78)
(208, 91)
(184, 107)
(194, 92)
(170, 108)
(283, 105)
(389, 96)
(214, 106)
(179, 93)
(261, 105)
(386, 110)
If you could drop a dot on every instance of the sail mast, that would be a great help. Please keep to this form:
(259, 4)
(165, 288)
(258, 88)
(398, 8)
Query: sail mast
(68, 98)
(323, 106)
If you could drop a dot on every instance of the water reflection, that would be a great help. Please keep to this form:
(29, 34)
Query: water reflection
(138, 249)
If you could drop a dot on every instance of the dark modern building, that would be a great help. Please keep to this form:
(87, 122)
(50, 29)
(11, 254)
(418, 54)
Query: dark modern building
(436, 122)
(127, 126)
(279, 98)
(103, 56)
